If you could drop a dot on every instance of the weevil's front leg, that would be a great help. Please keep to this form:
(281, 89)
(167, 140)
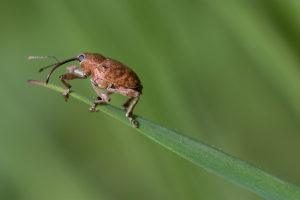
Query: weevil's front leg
(102, 97)
(73, 73)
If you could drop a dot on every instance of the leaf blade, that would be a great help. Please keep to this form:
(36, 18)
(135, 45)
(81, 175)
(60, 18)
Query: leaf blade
(201, 154)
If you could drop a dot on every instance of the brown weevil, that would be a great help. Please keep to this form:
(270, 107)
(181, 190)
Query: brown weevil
(107, 76)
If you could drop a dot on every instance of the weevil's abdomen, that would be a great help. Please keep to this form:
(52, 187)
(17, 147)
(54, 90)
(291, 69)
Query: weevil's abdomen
(119, 75)
(128, 79)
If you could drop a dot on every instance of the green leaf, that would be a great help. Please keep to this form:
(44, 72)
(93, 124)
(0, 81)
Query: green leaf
(208, 157)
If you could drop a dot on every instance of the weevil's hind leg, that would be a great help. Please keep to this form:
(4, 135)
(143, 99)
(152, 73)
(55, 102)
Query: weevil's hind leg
(74, 73)
(102, 97)
(127, 103)
(129, 110)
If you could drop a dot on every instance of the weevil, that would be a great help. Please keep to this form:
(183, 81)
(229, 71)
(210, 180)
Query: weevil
(107, 76)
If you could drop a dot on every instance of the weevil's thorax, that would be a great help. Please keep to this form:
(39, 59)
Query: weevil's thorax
(91, 62)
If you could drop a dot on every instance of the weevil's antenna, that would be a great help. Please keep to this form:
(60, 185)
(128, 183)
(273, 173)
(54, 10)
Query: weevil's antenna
(44, 57)
(56, 65)
(46, 67)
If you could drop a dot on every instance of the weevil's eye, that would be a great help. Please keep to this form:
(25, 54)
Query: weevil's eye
(81, 57)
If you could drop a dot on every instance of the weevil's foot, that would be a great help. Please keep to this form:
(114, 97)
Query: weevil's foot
(134, 122)
(97, 102)
(66, 94)
(93, 108)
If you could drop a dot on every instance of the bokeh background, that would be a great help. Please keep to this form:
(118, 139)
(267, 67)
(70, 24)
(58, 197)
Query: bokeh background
(227, 73)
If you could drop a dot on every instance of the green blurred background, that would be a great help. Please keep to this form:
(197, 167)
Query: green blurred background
(227, 73)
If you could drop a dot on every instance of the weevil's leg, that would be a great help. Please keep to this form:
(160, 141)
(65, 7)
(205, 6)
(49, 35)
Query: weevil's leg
(129, 105)
(126, 104)
(73, 73)
(129, 111)
(97, 89)
(102, 97)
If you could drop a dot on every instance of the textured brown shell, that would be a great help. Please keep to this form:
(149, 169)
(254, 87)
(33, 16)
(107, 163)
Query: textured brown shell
(109, 72)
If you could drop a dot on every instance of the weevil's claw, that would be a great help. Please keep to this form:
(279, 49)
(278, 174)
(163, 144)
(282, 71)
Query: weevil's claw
(97, 101)
(93, 109)
(66, 94)
(134, 122)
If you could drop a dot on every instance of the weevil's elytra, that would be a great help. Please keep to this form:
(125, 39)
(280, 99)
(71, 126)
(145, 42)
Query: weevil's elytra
(108, 76)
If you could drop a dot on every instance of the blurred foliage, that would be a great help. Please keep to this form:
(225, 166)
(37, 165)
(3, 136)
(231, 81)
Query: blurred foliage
(226, 73)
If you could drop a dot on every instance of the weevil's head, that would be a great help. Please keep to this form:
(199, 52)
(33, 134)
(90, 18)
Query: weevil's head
(89, 61)
(90, 58)
(86, 60)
